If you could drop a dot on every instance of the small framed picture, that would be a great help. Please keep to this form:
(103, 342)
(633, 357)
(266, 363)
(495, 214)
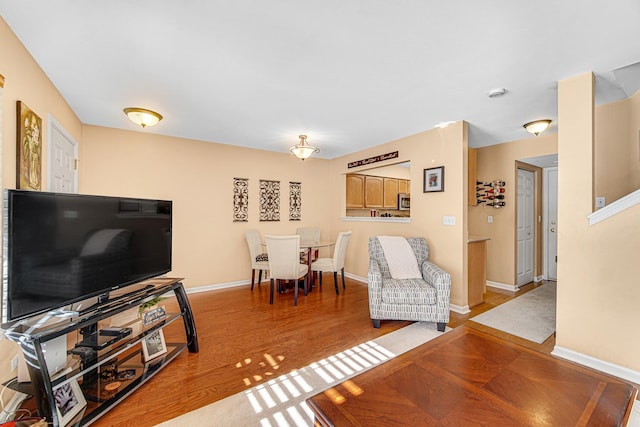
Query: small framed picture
(69, 401)
(433, 180)
(153, 345)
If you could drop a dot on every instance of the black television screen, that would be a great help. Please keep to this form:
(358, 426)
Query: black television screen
(63, 248)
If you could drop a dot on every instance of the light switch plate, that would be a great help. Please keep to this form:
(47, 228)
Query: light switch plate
(449, 220)
(490, 218)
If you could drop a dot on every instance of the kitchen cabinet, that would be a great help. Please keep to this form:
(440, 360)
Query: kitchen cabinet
(355, 191)
(373, 192)
(403, 186)
(390, 197)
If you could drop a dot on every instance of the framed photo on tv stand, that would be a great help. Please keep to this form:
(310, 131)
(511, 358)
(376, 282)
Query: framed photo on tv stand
(153, 346)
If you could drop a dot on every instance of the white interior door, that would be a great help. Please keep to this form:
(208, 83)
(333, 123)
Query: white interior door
(525, 227)
(63, 152)
(551, 223)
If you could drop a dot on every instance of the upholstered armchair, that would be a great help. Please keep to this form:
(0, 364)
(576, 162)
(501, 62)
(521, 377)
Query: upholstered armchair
(422, 298)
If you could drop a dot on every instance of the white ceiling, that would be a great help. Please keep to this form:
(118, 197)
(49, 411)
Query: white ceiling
(349, 73)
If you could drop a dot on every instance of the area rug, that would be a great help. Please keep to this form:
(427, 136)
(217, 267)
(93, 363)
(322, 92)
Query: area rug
(281, 401)
(531, 316)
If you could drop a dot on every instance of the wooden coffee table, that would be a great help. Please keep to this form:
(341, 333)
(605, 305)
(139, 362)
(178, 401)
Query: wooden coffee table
(467, 377)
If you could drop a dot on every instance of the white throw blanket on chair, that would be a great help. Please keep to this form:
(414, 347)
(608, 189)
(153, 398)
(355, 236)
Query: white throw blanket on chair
(400, 257)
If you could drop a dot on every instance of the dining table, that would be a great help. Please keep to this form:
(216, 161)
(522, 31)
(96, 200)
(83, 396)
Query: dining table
(309, 247)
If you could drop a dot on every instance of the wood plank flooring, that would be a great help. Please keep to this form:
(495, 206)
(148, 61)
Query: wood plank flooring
(245, 341)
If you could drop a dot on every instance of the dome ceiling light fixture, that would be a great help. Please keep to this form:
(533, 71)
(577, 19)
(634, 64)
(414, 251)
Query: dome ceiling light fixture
(142, 116)
(537, 126)
(495, 93)
(302, 150)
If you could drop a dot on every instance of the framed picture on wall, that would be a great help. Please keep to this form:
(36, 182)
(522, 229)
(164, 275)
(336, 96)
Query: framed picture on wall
(29, 149)
(433, 180)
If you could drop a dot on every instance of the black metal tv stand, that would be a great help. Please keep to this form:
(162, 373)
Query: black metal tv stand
(87, 365)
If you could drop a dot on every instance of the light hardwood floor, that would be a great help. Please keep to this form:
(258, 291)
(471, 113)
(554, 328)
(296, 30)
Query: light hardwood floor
(245, 341)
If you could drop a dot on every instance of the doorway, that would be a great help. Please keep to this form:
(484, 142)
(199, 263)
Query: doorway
(525, 233)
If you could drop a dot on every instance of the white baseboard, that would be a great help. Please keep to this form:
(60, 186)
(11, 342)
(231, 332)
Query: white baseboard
(460, 309)
(217, 286)
(597, 364)
(361, 279)
(539, 279)
(504, 286)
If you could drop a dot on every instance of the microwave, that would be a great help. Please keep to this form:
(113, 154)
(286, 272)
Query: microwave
(404, 201)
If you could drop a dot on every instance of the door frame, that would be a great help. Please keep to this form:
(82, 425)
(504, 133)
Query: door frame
(545, 203)
(53, 123)
(537, 221)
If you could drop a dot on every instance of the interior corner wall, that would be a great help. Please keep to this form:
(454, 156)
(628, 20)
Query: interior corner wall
(598, 288)
(499, 162)
(209, 248)
(447, 244)
(634, 141)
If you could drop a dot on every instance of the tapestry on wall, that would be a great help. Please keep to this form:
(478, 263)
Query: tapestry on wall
(269, 200)
(29, 149)
(295, 201)
(240, 200)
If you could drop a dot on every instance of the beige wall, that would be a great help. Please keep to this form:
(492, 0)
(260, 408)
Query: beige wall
(447, 244)
(26, 82)
(597, 313)
(617, 145)
(208, 247)
(499, 162)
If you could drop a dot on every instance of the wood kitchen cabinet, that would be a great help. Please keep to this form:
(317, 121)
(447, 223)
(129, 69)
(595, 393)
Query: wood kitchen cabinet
(355, 191)
(373, 192)
(390, 199)
(403, 186)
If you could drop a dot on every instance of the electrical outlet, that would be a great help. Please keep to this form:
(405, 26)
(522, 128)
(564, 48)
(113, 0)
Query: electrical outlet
(600, 202)
(14, 363)
(449, 220)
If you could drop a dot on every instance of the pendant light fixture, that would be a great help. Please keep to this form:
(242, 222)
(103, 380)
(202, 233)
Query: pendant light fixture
(537, 126)
(142, 116)
(302, 150)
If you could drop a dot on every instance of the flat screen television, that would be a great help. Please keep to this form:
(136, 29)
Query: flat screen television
(60, 249)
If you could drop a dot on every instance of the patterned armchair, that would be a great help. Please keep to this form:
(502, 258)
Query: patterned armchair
(426, 299)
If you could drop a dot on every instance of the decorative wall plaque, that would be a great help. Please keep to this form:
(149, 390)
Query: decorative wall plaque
(269, 200)
(374, 159)
(240, 200)
(295, 201)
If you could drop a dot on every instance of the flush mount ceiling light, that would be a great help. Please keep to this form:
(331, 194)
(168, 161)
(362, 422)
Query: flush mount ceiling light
(495, 93)
(302, 150)
(537, 126)
(143, 117)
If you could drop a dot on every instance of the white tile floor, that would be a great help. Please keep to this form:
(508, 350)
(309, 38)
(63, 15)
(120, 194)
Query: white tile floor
(634, 419)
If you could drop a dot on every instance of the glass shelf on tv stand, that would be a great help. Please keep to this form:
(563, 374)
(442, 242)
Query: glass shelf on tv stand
(122, 348)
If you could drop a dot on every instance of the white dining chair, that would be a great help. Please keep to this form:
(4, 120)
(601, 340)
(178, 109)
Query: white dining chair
(336, 263)
(284, 263)
(259, 259)
(309, 234)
